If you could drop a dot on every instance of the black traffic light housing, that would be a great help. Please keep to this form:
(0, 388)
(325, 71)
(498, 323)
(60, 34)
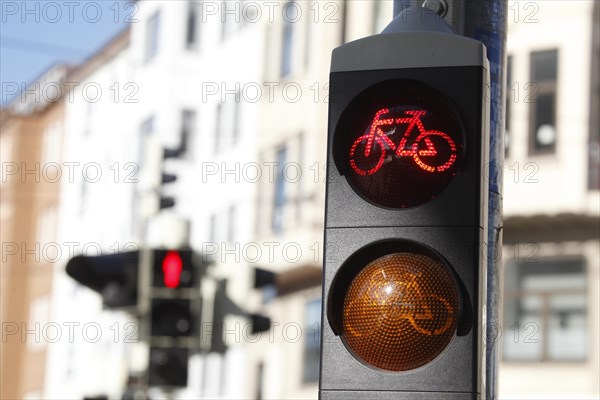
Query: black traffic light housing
(114, 276)
(223, 305)
(428, 197)
(165, 178)
(174, 314)
(168, 367)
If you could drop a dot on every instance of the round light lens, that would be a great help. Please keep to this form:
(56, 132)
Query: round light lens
(400, 311)
(402, 144)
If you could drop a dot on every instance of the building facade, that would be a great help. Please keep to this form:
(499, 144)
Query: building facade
(30, 140)
(548, 337)
(96, 216)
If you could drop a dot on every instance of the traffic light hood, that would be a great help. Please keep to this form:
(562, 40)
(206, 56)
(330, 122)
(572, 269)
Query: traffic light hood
(409, 50)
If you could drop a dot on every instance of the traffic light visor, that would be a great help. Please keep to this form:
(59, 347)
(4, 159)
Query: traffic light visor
(400, 311)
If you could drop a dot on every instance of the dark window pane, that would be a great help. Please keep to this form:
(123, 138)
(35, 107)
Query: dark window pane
(188, 131)
(542, 124)
(544, 65)
(231, 224)
(279, 198)
(286, 51)
(237, 105)
(212, 228)
(545, 130)
(191, 34)
(219, 127)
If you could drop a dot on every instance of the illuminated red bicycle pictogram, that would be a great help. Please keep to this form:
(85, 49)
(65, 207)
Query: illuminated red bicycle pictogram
(421, 148)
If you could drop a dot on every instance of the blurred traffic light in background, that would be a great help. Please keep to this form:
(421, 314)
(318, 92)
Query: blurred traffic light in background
(175, 305)
(406, 219)
(230, 313)
(165, 177)
(114, 276)
(161, 287)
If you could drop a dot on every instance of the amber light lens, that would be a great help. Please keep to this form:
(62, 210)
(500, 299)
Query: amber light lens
(400, 311)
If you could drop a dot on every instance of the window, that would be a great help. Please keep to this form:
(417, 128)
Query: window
(286, 50)
(152, 28)
(310, 369)
(545, 311)
(83, 195)
(542, 116)
(227, 123)
(509, 100)
(308, 41)
(146, 129)
(219, 128)
(87, 130)
(230, 17)
(212, 229)
(236, 110)
(188, 133)
(268, 53)
(231, 224)
(192, 30)
(260, 376)
(277, 221)
(298, 192)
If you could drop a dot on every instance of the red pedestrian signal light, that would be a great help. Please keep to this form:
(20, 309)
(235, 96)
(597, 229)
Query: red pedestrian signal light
(172, 266)
(173, 269)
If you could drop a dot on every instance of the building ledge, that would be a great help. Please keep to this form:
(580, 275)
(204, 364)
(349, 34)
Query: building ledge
(551, 228)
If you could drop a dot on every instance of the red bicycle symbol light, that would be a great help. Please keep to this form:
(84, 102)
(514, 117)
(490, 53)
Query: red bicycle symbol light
(424, 149)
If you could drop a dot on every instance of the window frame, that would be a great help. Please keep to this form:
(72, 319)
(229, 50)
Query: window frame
(192, 32)
(544, 87)
(152, 36)
(518, 293)
(279, 205)
(287, 47)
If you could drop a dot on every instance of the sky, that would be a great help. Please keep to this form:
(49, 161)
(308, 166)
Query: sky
(36, 34)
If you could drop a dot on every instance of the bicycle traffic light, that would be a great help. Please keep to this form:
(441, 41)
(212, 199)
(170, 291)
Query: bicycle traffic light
(174, 315)
(406, 209)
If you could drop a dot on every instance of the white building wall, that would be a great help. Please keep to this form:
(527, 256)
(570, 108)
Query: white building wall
(550, 183)
(553, 184)
(300, 126)
(99, 172)
(210, 182)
